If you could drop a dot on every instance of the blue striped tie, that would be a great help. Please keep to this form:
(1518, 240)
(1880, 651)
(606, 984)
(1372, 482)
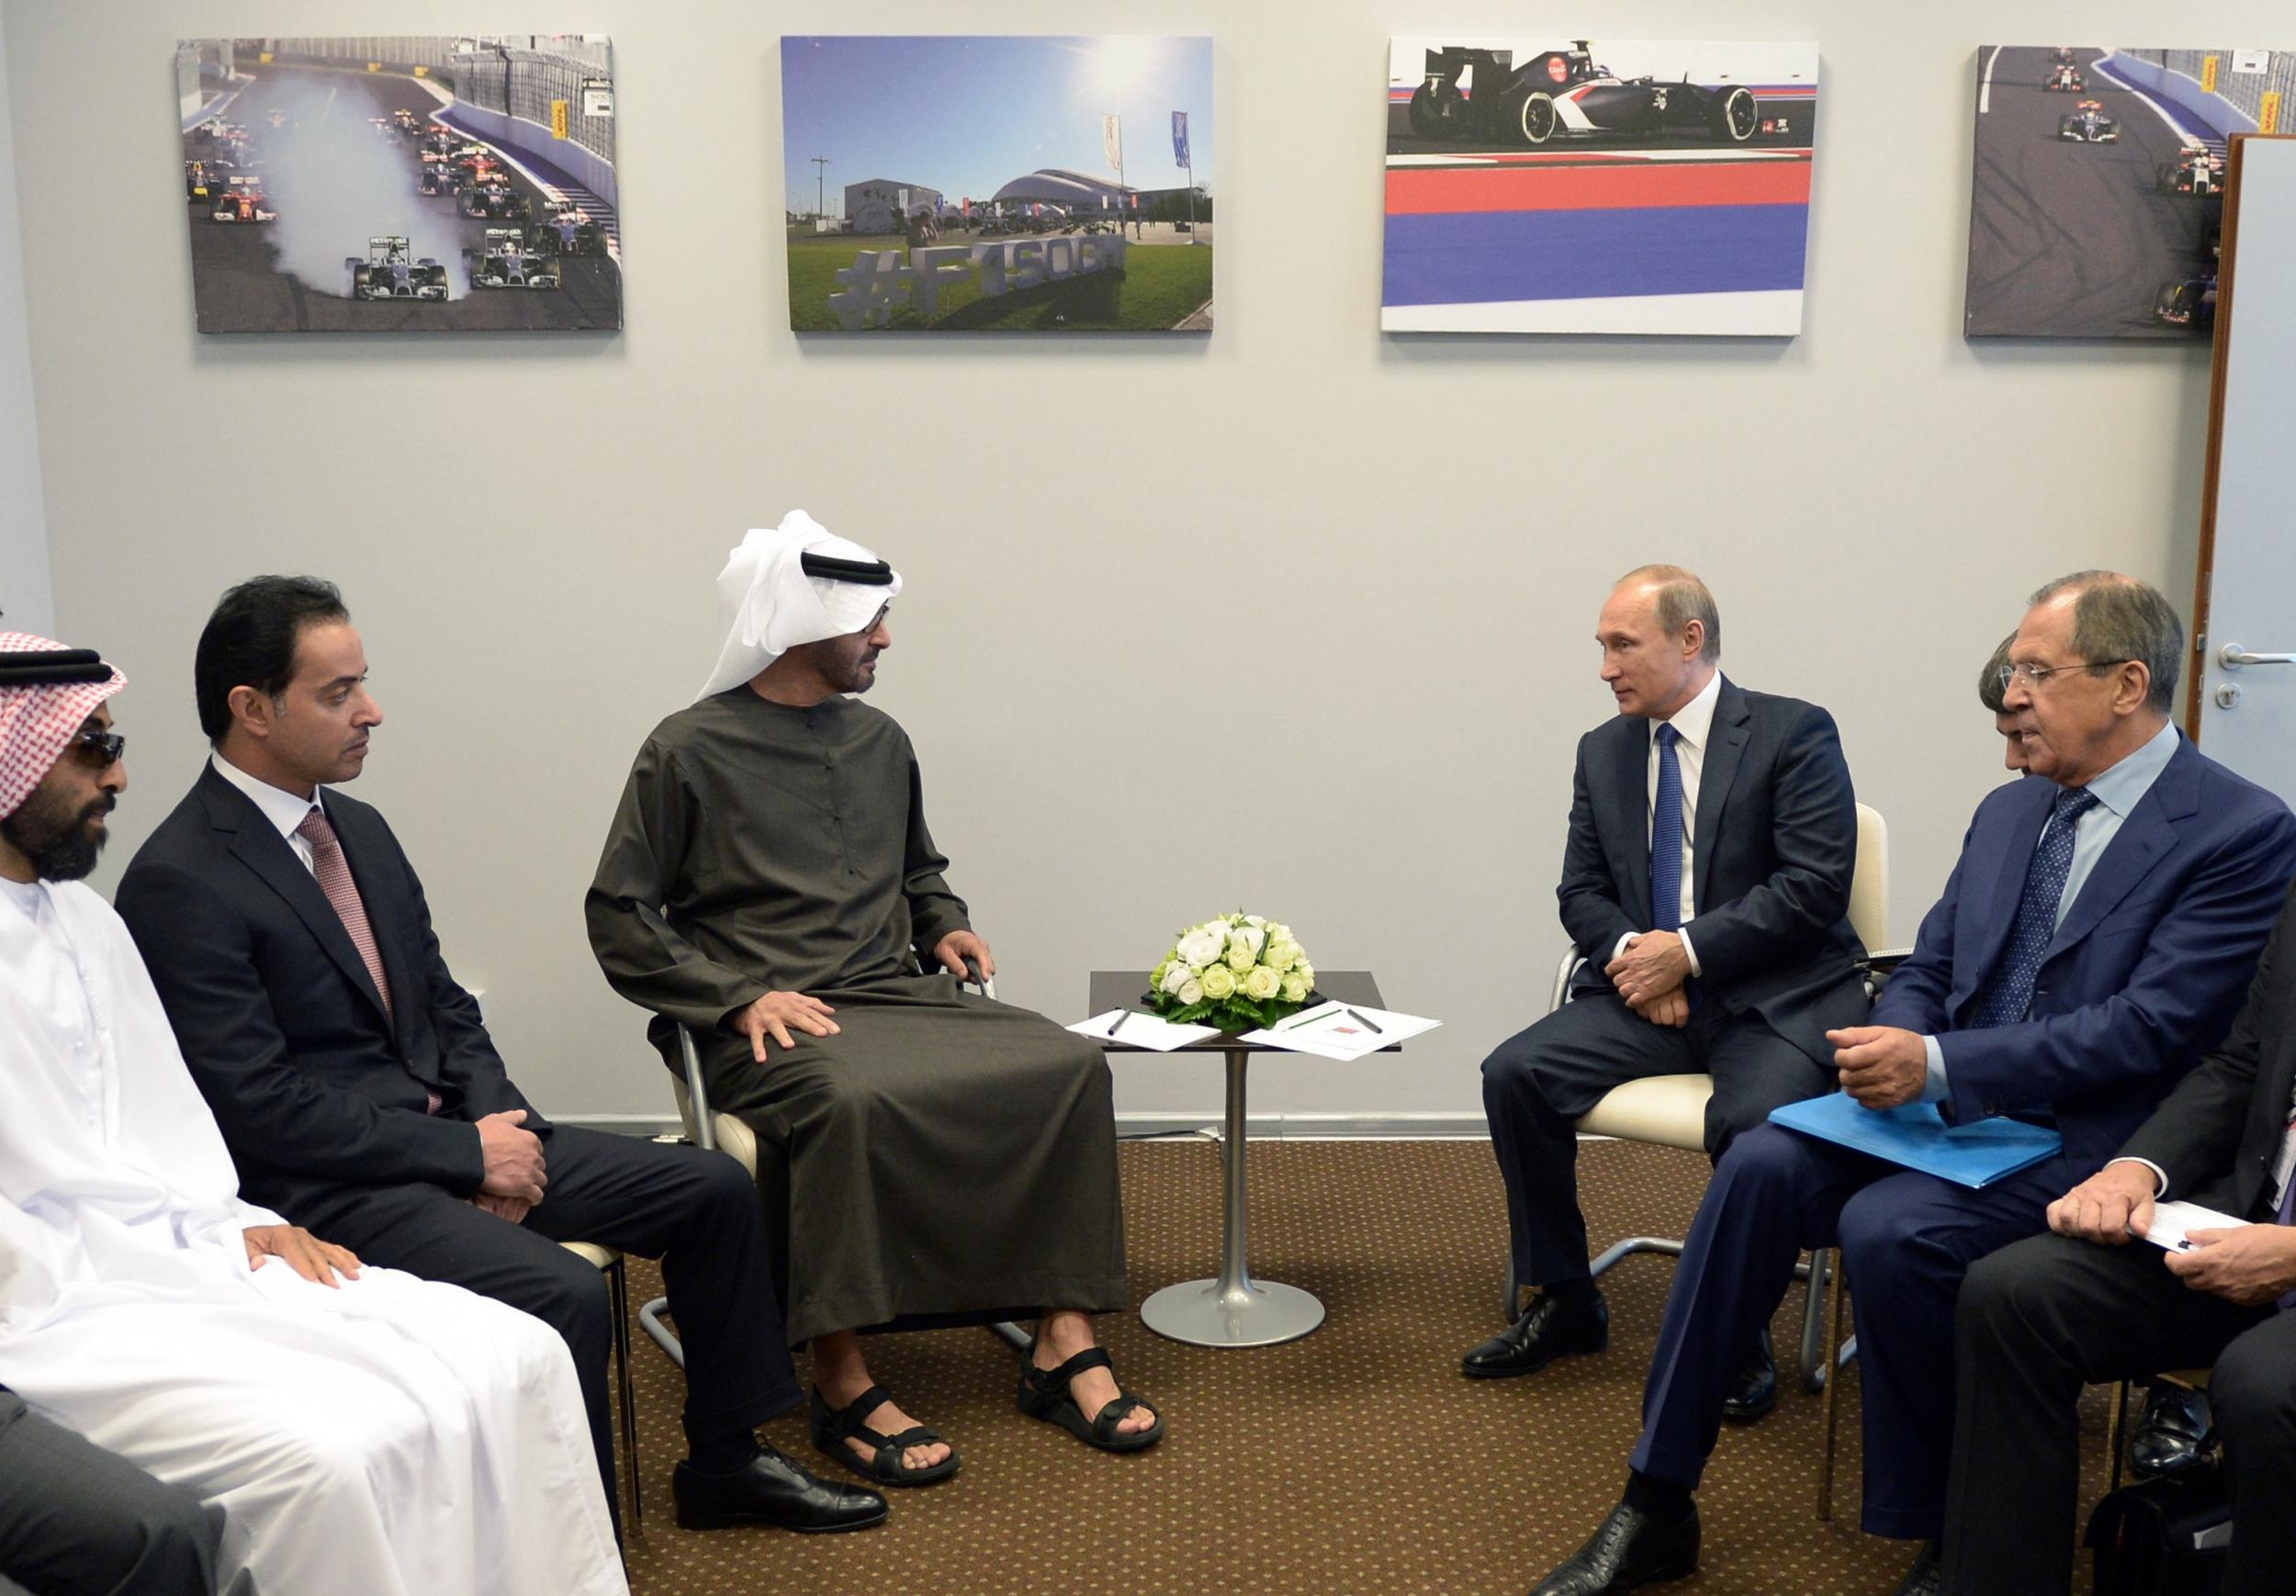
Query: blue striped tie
(2009, 991)
(1666, 837)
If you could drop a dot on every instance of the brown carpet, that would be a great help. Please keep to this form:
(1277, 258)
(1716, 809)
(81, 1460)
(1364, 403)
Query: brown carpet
(1356, 1460)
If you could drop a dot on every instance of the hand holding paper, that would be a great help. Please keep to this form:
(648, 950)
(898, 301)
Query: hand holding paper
(2250, 1264)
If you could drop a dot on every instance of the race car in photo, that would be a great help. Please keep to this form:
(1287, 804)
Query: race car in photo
(277, 118)
(438, 177)
(2061, 56)
(509, 260)
(1565, 94)
(2197, 170)
(391, 272)
(2087, 124)
(241, 199)
(2065, 78)
(407, 122)
(568, 230)
(497, 202)
(203, 180)
(2188, 303)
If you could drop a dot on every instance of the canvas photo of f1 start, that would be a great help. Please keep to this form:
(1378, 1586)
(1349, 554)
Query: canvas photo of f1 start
(406, 183)
(1542, 185)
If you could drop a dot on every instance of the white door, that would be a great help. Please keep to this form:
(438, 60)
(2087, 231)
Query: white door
(2247, 654)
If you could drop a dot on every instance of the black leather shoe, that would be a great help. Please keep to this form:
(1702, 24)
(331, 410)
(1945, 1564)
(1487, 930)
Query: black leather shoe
(1756, 1389)
(1551, 1328)
(771, 1490)
(2176, 1438)
(1629, 1551)
(1927, 1577)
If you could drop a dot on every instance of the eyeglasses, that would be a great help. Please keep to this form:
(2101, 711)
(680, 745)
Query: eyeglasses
(2032, 676)
(101, 749)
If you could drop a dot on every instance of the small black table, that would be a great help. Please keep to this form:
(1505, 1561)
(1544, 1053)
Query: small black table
(1232, 1309)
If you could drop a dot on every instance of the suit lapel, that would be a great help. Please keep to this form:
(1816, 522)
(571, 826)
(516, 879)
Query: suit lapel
(1630, 773)
(2148, 833)
(1726, 745)
(257, 845)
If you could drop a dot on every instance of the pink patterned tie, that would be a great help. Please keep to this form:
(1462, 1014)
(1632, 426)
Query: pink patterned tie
(335, 879)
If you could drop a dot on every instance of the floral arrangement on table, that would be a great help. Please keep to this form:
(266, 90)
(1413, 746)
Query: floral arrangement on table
(1238, 971)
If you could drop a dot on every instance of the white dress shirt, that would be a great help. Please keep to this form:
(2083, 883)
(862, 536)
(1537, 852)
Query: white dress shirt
(1694, 728)
(282, 808)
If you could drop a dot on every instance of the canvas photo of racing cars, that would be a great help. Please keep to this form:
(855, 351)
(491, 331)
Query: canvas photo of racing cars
(407, 183)
(1597, 186)
(2097, 205)
(954, 184)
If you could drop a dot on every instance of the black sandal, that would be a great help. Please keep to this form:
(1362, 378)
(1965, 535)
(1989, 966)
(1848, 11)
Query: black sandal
(1044, 1394)
(832, 1427)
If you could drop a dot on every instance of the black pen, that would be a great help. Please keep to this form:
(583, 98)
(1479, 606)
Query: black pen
(1367, 1025)
(1121, 1016)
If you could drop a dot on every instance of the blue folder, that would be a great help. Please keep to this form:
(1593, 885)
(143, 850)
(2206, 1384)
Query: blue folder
(1914, 1135)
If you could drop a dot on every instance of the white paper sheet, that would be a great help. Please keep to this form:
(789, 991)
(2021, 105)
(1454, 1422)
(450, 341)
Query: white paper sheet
(1342, 1030)
(1141, 1029)
(2173, 1221)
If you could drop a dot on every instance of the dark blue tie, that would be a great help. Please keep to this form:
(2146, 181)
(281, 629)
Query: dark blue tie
(2009, 992)
(1666, 837)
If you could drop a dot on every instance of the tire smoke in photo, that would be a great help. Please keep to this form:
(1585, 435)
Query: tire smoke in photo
(336, 182)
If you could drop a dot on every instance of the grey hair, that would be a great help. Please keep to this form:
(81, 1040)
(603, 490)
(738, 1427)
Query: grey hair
(1681, 599)
(1992, 691)
(2117, 617)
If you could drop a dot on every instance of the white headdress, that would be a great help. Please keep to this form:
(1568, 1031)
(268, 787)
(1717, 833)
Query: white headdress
(792, 584)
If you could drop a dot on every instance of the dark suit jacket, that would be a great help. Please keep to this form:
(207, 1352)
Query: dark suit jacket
(2217, 1134)
(2143, 975)
(1774, 835)
(278, 1018)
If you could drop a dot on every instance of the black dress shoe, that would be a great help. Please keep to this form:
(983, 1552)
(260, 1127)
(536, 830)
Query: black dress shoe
(771, 1490)
(1631, 1550)
(1552, 1327)
(1927, 1577)
(1755, 1391)
(2176, 1438)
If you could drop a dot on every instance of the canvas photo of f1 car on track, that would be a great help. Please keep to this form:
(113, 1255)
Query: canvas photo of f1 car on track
(1581, 185)
(2100, 218)
(398, 180)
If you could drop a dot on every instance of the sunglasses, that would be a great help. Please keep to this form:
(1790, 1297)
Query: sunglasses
(101, 749)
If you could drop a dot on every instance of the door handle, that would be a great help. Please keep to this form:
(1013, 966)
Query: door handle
(2231, 656)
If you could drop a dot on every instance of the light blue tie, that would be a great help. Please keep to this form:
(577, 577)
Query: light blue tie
(1666, 837)
(2009, 991)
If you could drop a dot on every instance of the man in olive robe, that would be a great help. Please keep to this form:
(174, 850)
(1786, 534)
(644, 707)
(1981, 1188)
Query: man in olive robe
(927, 1155)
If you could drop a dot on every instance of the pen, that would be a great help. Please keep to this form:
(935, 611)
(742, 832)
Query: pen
(1121, 1016)
(1367, 1025)
(1309, 1018)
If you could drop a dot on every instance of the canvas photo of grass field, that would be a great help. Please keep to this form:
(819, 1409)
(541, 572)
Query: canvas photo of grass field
(998, 184)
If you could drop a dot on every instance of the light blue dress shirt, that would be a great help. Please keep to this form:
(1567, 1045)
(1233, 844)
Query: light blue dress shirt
(2117, 792)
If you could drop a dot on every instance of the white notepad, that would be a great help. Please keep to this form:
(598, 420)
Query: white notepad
(1342, 1030)
(1141, 1030)
(2172, 1223)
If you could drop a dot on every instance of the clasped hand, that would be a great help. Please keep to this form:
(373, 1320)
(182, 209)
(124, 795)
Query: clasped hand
(1646, 968)
(515, 1171)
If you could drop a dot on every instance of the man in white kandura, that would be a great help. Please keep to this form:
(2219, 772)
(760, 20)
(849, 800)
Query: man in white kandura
(363, 1430)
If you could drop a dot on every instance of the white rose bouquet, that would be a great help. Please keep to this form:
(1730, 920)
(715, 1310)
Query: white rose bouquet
(1239, 972)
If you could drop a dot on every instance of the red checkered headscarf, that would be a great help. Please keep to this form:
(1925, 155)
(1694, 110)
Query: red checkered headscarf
(39, 718)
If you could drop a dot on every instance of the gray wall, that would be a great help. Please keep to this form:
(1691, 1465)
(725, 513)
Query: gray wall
(1320, 647)
(24, 601)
